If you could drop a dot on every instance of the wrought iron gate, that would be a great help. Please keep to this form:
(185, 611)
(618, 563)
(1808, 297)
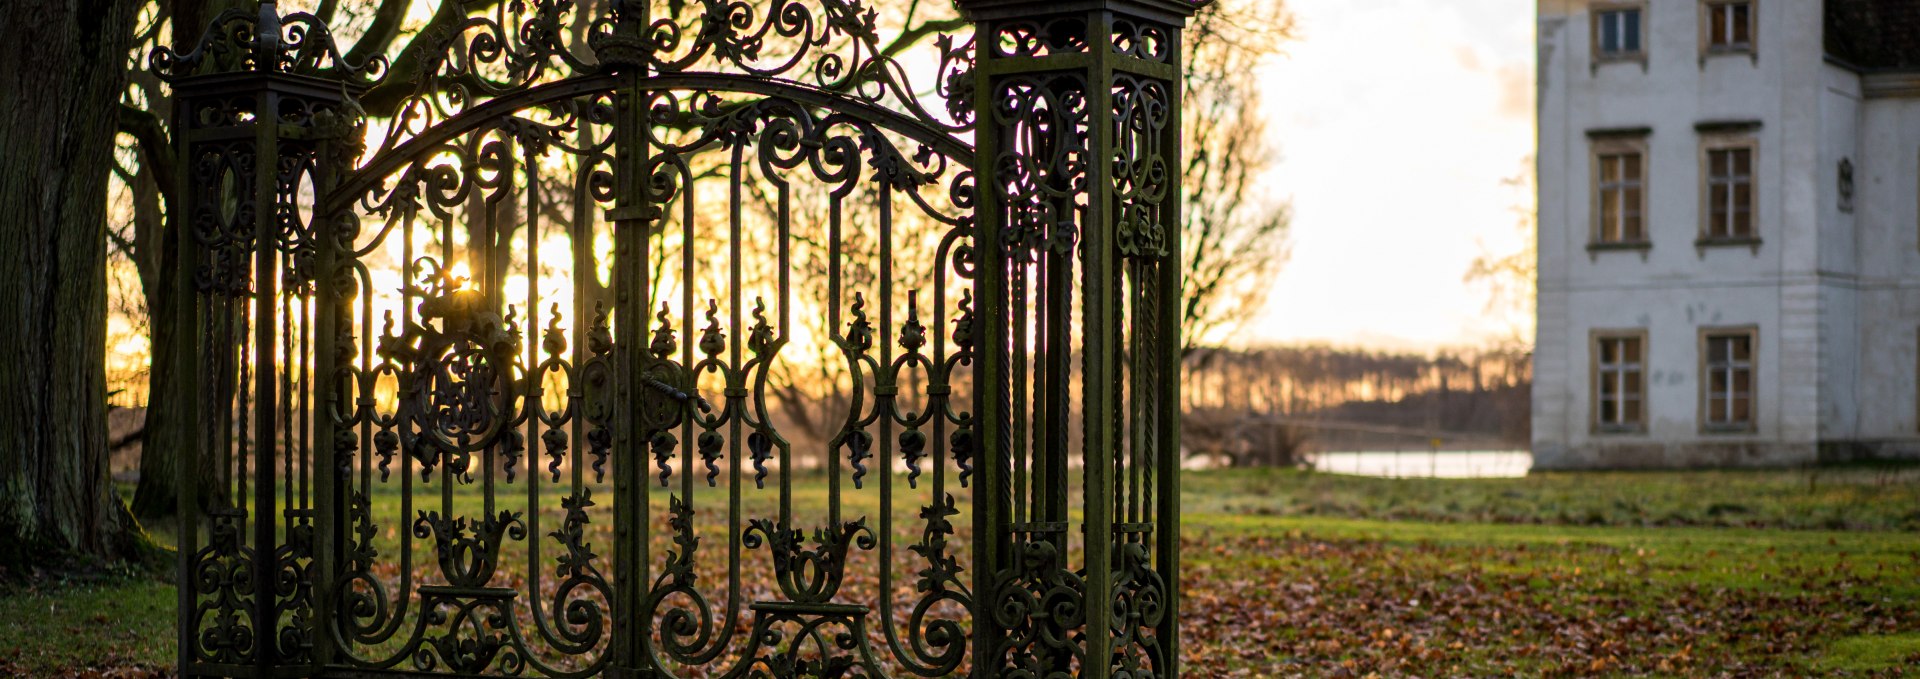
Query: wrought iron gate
(687, 339)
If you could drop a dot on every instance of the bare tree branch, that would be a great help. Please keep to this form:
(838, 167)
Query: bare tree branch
(156, 151)
(384, 29)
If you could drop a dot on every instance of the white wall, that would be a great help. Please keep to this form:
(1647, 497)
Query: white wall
(1829, 300)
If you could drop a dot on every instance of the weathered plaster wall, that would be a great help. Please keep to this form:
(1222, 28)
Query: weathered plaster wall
(1832, 293)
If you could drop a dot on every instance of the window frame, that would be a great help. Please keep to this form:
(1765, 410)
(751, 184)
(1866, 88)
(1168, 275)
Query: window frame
(1705, 415)
(1707, 25)
(1602, 144)
(1595, 13)
(1710, 143)
(1595, 372)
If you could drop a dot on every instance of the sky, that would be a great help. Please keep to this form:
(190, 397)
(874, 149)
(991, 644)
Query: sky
(1394, 124)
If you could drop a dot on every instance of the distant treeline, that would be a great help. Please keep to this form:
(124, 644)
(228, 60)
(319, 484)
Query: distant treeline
(1269, 405)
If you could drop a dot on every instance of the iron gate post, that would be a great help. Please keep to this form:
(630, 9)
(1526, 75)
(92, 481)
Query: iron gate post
(623, 50)
(1078, 153)
(263, 122)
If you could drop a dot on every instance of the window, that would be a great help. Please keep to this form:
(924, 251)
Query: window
(1727, 381)
(1846, 185)
(1616, 32)
(1619, 188)
(1729, 195)
(1619, 382)
(1729, 26)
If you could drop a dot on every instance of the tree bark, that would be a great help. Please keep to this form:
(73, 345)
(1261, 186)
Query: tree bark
(61, 87)
(158, 494)
(158, 252)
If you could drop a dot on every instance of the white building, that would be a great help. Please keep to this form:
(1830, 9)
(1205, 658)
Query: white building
(1729, 232)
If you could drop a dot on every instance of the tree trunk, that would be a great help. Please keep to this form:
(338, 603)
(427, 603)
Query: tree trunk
(61, 87)
(158, 493)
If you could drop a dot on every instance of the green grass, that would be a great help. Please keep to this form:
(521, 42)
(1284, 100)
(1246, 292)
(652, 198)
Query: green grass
(113, 622)
(1873, 652)
(1844, 498)
(1288, 573)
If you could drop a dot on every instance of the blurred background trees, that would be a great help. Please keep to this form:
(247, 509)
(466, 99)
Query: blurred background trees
(1242, 402)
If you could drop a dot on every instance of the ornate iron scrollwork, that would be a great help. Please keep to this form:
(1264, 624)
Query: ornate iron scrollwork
(396, 363)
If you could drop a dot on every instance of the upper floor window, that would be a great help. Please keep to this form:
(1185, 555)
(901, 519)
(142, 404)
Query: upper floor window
(1729, 213)
(1616, 31)
(1729, 25)
(1619, 188)
(1727, 387)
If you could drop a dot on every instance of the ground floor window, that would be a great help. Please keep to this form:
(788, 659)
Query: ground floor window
(1619, 379)
(1727, 381)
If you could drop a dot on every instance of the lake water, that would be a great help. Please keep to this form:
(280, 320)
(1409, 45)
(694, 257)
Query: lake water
(1426, 464)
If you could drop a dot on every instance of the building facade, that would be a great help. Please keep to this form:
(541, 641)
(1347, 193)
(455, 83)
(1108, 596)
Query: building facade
(1729, 196)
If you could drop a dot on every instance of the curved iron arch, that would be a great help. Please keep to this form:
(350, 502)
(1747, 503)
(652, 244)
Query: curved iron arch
(371, 173)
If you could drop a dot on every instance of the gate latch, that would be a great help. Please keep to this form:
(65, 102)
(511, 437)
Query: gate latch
(676, 394)
(663, 400)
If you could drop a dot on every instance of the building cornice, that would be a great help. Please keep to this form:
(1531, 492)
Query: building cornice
(1890, 85)
(1610, 132)
(1726, 125)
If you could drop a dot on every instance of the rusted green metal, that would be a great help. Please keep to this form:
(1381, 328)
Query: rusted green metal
(419, 420)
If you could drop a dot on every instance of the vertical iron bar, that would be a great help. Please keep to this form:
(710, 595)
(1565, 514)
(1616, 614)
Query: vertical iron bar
(186, 317)
(834, 331)
(990, 489)
(1100, 347)
(266, 269)
(1167, 512)
(329, 505)
(632, 225)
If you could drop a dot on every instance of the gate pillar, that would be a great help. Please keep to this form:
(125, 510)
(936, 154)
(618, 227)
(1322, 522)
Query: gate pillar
(1077, 109)
(263, 122)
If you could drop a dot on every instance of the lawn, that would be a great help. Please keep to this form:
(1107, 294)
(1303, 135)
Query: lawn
(1298, 574)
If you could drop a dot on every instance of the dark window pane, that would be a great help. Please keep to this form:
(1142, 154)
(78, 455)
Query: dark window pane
(1719, 23)
(1631, 350)
(1630, 166)
(1609, 215)
(1742, 24)
(1742, 162)
(1630, 33)
(1633, 412)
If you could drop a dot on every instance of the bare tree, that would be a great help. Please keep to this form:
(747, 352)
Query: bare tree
(1509, 278)
(1232, 244)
